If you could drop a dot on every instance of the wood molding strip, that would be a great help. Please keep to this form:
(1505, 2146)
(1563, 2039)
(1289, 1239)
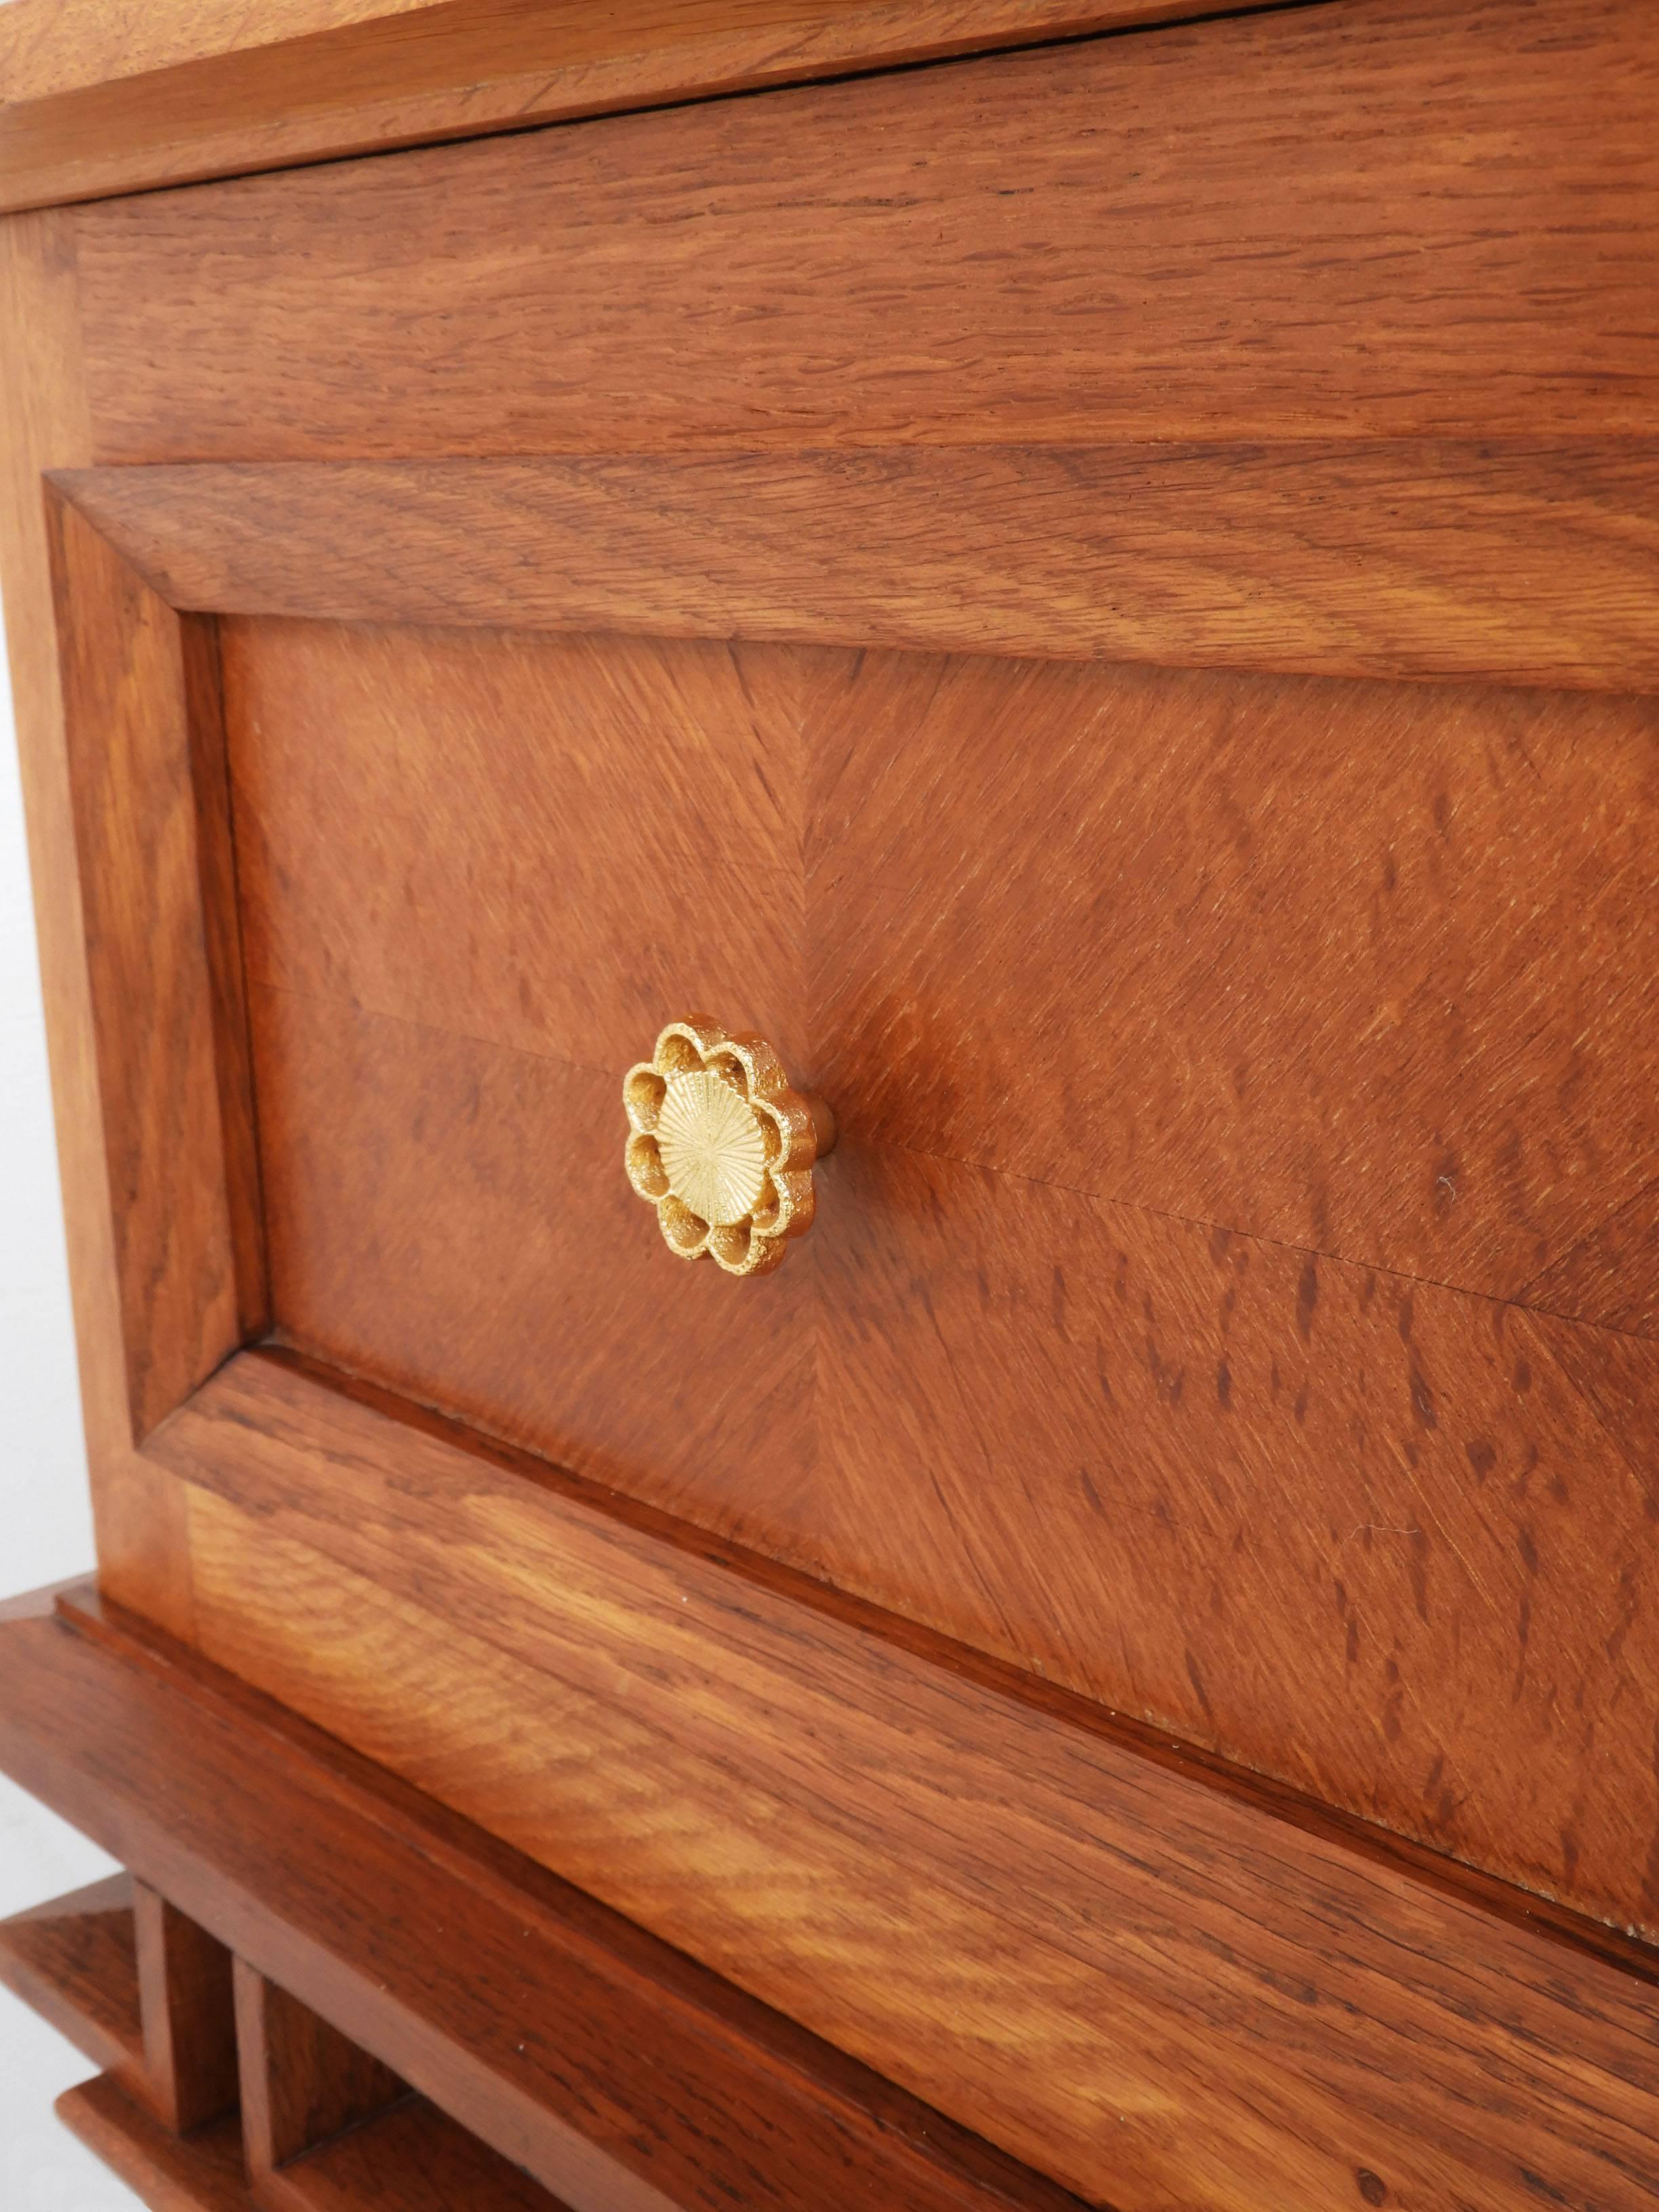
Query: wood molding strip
(44, 411)
(1516, 563)
(187, 92)
(151, 838)
(621, 2075)
(1108, 1963)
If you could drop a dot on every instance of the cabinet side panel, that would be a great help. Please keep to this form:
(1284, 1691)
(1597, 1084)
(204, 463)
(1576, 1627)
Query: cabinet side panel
(142, 1553)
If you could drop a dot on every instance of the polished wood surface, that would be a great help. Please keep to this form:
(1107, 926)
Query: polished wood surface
(73, 1961)
(303, 2081)
(1350, 558)
(140, 691)
(99, 101)
(1155, 1269)
(410, 2159)
(1105, 1960)
(44, 409)
(190, 2027)
(620, 2074)
(1235, 1295)
(1295, 224)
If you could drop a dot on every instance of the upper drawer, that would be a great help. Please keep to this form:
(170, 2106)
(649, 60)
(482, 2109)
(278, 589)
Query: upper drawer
(1103, 600)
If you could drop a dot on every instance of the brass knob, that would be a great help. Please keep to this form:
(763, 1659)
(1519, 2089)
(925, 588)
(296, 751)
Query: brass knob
(722, 1145)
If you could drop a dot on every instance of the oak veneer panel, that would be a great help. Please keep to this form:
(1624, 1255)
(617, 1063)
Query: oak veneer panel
(444, 1217)
(1525, 562)
(643, 2084)
(1112, 1967)
(98, 103)
(43, 405)
(1372, 969)
(1377, 218)
(1003, 912)
(202, 2175)
(591, 803)
(73, 1961)
(1101, 1305)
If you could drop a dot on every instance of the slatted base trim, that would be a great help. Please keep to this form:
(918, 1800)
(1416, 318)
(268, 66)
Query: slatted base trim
(412, 2158)
(201, 2173)
(569, 2058)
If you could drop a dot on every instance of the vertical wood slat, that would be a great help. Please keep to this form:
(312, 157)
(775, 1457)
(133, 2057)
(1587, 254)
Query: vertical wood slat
(188, 2013)
(303, 2082)
(142, 1550)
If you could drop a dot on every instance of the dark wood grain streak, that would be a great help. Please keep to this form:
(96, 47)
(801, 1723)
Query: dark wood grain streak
(1332, 222)
(1527, 564)
(625, 2078)
(1107, 1967)
(194, 95)
(181, 1194)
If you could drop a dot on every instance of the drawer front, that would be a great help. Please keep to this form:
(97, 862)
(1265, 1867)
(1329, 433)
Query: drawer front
(1220, 1060)
(1039, 586)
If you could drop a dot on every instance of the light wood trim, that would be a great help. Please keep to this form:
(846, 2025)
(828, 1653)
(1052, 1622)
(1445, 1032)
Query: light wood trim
(151, 848)
(1114, 1968)
(99, 103)
(1523, 563)
(45, 423)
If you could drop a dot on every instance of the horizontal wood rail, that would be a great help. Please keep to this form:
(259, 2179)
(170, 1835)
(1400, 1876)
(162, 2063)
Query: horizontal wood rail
(618, 2074)
(97, 104)
(1528, 562)
(1096, 1955)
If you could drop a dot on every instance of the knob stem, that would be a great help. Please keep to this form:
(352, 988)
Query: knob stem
(823, 1120)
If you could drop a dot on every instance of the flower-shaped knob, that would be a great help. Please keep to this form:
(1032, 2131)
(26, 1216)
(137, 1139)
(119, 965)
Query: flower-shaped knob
(722, 1145)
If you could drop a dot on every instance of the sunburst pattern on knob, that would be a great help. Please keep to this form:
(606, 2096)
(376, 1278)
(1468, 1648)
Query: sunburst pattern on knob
(723, 1145)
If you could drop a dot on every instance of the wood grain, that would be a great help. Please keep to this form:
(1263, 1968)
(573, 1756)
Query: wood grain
(622, 2076)
(1524, 564)
(72, 1961)
(411, 2159)
(1146, 1260)
(184, 92)
(181, 1176)
(1306, 223)
(190, 2026)
(1106, 1965)
(303, 2082)
(44, 407)
(202, 2175)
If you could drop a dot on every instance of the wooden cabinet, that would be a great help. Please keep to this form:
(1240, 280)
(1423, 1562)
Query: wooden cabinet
(1099, 594)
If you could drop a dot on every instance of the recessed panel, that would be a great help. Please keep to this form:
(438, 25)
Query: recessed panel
(1220, 1060)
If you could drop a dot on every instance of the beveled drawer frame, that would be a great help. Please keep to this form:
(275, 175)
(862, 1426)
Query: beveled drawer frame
(1088, 1920)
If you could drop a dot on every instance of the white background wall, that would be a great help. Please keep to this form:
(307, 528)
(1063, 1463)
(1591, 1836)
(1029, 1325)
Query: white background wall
(45, 1527)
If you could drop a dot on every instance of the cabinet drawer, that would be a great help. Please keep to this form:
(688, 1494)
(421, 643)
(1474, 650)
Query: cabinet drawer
(1101, 601)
